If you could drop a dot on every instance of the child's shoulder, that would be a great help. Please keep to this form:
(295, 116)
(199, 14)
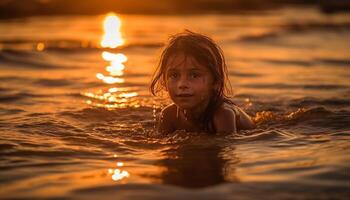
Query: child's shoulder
(225, 111)
(225, 119)
(167, 119)
(233, 113)
(169, 110)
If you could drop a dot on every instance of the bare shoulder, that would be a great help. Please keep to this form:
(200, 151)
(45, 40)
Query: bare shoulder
(224, 110)
(225, 119)
(244, 120)
(166, 119)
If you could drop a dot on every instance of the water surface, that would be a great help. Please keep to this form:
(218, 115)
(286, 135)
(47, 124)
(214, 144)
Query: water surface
(77, 120)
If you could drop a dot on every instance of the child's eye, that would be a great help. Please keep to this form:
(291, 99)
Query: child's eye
(195, 75)
(173, 75)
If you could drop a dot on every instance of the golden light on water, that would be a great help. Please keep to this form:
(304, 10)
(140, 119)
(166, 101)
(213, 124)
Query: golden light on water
(113, 99)
(112, 38)
(119, 89)
(116, 66)
(116, 96)
(118, 174)
(40, 46)
(128, 95)
(109, 79)
(114, 57)
(112, 35)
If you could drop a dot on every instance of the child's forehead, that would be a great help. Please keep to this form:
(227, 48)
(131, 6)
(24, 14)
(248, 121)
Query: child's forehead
(180, 60)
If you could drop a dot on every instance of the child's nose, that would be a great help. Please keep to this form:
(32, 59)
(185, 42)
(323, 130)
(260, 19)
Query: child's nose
(183, 83)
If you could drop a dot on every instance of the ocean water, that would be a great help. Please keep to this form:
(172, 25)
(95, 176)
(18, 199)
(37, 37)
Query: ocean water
(77, 119)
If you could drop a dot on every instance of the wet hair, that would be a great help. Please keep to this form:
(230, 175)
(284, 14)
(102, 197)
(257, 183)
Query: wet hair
(207, 53)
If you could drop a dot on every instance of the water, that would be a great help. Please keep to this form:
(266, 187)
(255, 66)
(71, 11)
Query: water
(70, 130)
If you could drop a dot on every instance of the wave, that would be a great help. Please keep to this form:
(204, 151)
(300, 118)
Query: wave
(315, 62)
(261, 134)
(316, 26)
(295, 86)
(70, 49)
(10, 111)
(93, 137)
(242, 74)
(311, 117)
(27, 59)
(258, 37)
(335, 62)
(52, 153)
(289, 62)
(11, 96)
(309, 101)
(64, 45)
(66, 82)
(284, 29)
(16, 98)
(99, 114)
(133, 126)
(137, 191)
(39, 165)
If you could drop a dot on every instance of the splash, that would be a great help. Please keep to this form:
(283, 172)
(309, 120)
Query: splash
(269, 116)
(265, 116)
(299, 115)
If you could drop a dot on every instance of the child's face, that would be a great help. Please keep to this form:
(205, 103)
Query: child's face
(189, 84)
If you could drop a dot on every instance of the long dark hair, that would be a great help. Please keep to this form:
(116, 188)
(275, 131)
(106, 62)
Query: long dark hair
(206, 52)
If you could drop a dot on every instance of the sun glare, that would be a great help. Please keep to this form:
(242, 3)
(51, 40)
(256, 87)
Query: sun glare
(116, 66)
(116, 96)
(112, 37)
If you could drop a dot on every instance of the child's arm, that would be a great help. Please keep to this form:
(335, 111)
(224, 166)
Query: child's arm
(245, 122)
(166, 120)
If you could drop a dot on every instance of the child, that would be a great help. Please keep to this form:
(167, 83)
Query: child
(193, 71)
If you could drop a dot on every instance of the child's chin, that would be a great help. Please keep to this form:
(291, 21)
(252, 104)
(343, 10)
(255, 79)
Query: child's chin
(184, 105)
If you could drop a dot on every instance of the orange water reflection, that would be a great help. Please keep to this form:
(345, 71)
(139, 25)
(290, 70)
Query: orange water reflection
(117, 96)
(112, 37)
(116, 66)
(40, 46)
(118, 174)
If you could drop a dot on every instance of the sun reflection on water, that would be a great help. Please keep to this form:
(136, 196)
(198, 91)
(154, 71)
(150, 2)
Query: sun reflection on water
(118, 174)
(116, 96)
(112, 37)
(116, 66)
(40, 46)
(109, 79)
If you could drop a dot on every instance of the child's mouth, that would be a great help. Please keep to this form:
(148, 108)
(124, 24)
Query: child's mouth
(184, 95)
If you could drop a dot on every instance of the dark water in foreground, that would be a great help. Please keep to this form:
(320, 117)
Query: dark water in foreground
(71, 129)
